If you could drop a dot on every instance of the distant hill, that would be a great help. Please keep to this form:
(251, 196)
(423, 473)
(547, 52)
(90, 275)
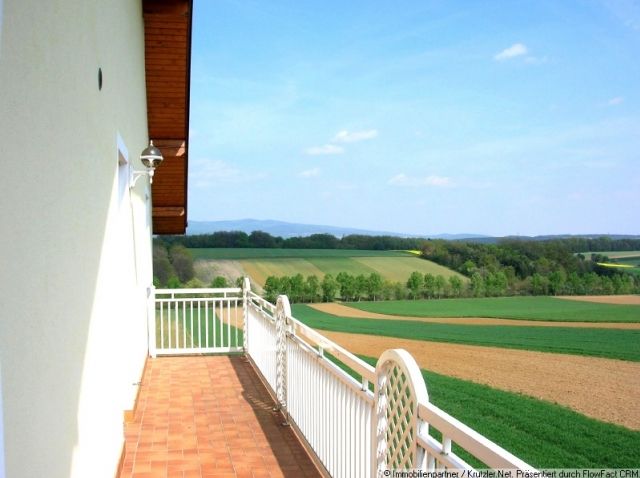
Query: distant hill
(289, 229)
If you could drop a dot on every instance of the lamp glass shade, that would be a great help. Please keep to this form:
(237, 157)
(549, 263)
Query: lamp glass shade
(151, 156)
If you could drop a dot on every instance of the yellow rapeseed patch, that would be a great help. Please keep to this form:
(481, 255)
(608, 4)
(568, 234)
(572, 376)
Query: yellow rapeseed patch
(609, 264)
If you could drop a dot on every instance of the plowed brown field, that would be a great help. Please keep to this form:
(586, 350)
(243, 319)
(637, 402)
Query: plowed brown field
(344, 311)
(604, 389)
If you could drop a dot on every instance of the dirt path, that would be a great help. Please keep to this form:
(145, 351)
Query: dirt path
(604, 389)
(344, 311)
(605, 299)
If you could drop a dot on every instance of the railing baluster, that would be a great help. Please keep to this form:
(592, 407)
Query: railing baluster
(229, 321)
(184, 325)
(175, 319)
(199, 323)
(237, 326)
(161, 325)
(191, 328)
(169, 325)
(206, 323)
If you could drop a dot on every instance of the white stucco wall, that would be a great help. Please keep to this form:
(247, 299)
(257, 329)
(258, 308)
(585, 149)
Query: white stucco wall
(2, 474)
(72, 279)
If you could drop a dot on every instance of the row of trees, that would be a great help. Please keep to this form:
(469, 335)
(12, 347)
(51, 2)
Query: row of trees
(348, 287)
(263, 240)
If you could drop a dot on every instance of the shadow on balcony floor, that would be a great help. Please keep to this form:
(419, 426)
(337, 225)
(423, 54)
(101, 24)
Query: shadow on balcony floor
(209, 417)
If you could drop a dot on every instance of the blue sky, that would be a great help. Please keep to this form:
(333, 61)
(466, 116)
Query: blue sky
(420, 117)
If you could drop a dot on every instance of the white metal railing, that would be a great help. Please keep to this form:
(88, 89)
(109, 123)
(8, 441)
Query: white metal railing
(196, 321)
(352, 430)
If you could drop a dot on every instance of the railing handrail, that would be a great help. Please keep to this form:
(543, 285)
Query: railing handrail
(483, 448)
(314, 338)
(263, 302)
(207, 290)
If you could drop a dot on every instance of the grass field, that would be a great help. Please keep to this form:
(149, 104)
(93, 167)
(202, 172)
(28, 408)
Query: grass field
(252, 253)
(262, 263)
(617, 255)
(626, 258)
(543, 434)
(609, 343)
(528, 308)
(259, 269)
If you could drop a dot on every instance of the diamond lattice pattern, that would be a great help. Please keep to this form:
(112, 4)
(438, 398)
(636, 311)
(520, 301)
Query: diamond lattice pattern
(399, 413)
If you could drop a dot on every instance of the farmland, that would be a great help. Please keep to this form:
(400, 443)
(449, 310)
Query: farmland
(623, 257)
(525, 308)
(259, 264)
(626, 260)
(541, 433)
(506, 382)
(610, 343)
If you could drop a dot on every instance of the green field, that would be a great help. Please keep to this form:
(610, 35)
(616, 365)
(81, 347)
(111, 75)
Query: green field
(527, 308)
(391, 268)
(627, 258)
(543, 434)
(259, 264)
(252, 253)
(617, 255)
(608, 343)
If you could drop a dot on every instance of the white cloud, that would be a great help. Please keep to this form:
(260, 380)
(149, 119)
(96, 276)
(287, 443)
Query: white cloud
(345, 136)
(310, 173)
(428, 181)
(517, 49)
(615, 101)
(324, 150)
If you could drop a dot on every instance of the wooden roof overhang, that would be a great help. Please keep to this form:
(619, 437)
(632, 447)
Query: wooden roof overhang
(167, 39)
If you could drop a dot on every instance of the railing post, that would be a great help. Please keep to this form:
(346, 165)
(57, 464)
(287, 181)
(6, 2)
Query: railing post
(246, 288)
(395, 424)
(283, 312)
(151, 320)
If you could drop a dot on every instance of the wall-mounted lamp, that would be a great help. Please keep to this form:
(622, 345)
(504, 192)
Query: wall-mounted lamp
(151, 158)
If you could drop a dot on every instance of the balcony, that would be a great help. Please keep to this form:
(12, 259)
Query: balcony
(283, 401)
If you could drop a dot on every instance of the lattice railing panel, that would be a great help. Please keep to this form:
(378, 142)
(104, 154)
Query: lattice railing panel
(400, 388)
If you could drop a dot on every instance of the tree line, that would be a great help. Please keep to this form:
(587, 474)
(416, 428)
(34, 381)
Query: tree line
(350, 287)
(263, 240)
(373, 287)
(530, 268)
(260, 240)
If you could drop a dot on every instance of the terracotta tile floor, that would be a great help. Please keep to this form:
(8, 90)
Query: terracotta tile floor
(209, 417)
